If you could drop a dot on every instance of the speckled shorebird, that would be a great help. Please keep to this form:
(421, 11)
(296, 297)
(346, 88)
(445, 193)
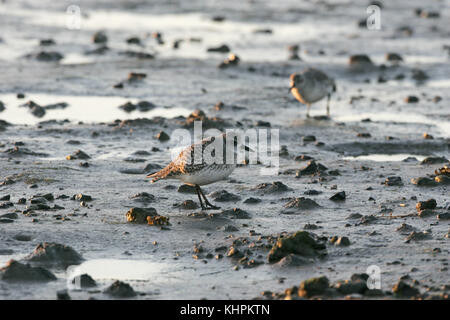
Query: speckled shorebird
(312, 85)
(197, 166)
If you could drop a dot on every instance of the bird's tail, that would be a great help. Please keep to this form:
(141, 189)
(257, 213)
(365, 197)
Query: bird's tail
(161, 174)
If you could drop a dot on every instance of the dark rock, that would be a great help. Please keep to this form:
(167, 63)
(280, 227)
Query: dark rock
(313, 287)
(312, 192)
(442, 180)
(273, 187)
(393, 181)
(301, 243)
(232, 60)
(419, 75)
(360, 62)
(78, 155)
(224, 196)
(236, 213)
(252, 200)
(443, 216)
(84, 281)
(11, 215)
(162, 136)
(311, 168)
(424, 182)
(354, 216)
(128, 107)
(293, 260)
(139, 215)
(145, 106)
(53, 106)
(429, 204)
(15, 271)
(62, 295)
(306, 139)
(434, 160)
(5, 220)
(301, 203)
(99, 37)
(404, 290)
(5, 198)
(223, 48)
(184, 188)
(143, 197)
(411, 99)
(405, 229)
(187, 204)
(46, 42)
(6, 204)
(393, 57)
(340, 241)
(54, 254)
(46, 56)
(120, 289)
(340, 196)
(363, 135)
(230, 228)
(418, 236)
(351, 287)
(82, 197)
(369, 219)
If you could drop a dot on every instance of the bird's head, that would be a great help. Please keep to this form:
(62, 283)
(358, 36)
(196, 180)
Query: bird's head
(296, 80)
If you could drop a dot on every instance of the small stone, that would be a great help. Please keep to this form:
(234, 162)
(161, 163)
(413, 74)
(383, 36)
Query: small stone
(82, 197)
(120, 289)
(404, 290)
(84, 281)
(313, 287)
(393, 181)
(434, 160)
(424, 182)
(15, 271)
(184, 188)
(162, 136)
(99, 37)
(223, 48)
(80, 155)
(140, 215)
(224, 196)
(62, 295)
(429, 204)
(340, 196)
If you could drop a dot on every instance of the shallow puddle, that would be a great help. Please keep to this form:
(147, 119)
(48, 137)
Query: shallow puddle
(122, 269)
(89, 109)
(387, 157)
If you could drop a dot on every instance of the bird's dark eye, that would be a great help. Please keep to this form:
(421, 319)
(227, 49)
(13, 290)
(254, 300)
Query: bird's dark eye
(212, 139)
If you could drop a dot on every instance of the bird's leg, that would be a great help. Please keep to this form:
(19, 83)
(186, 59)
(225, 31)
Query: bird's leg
(210, 206)
(308, 106)
(328, 105)
(197, 188)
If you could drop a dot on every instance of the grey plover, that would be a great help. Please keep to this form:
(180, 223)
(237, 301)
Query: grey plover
(312, 85)
(197, 165)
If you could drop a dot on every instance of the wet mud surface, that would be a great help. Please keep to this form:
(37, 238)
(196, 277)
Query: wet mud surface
(352, 191)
